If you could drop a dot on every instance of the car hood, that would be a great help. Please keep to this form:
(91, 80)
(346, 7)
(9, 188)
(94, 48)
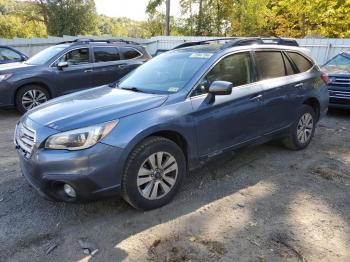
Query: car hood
(14, 67)
(93, 106)
(336, 70)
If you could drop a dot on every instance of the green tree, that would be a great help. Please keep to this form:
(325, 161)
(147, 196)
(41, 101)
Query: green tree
(248, 17)
(69, 17)
(151, 9)
(18, 19)
(329, 18)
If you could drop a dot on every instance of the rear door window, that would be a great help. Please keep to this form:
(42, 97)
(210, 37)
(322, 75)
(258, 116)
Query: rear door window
(288, 65)
(300, 61)
(270, 64)
(106, 54)
(130, 53)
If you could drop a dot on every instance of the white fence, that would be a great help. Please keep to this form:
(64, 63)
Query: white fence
(321, 49)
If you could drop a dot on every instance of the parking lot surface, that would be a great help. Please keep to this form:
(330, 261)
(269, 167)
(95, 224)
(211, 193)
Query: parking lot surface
(263, 203)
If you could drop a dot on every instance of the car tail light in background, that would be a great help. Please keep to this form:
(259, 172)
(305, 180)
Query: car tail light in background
(325, 78)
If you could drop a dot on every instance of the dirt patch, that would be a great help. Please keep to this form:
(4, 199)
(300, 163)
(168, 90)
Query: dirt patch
(192, 248)
(332, 171)
(285, 246)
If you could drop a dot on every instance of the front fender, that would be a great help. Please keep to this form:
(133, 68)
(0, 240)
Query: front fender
(133, 129)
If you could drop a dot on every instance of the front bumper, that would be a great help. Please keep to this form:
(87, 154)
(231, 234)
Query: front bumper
(339, 97)
(335, 102)
(7, 95)
(94, 173)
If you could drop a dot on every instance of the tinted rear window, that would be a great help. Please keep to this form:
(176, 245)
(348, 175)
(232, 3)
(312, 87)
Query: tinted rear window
(270, 64)
(301, 62)
(130, 53)
(106, 54)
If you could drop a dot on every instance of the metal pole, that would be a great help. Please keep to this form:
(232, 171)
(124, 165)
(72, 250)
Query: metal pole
(327, 50)
(167, 18)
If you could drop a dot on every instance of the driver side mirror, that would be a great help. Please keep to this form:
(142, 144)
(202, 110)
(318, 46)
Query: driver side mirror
(24, 58)
(219, 88)
(62, 65)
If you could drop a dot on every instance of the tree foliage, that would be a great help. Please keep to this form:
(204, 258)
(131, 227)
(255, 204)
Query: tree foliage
(19, 19)
(69, 17)
(291, 18)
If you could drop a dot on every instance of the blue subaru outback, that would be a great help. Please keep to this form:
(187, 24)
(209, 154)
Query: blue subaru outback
(140, 136)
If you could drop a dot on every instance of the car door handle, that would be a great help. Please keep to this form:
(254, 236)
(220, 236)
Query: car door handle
(122, 66)
(300, 85)
(88, 71)
(256, 98)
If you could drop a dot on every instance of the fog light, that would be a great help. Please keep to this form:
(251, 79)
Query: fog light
(69, 190)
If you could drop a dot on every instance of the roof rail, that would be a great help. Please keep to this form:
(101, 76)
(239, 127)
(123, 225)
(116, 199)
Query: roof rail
(88, 40)
(203, 42)
(241, 41)
(280, 41)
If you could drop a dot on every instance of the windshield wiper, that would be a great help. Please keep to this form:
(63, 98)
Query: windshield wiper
(135, 89)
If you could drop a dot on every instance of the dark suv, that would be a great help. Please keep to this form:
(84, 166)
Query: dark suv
(338, 70)
(139, 137)
(66, 68)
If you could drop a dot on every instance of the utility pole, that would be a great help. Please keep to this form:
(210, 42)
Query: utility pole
(167, 18)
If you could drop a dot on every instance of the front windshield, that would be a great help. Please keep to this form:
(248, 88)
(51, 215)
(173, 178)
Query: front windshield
(339, 64)
(44, 56)
(167, 73)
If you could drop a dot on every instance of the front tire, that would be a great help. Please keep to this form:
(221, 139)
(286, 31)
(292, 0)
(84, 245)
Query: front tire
(31, 96)
(302, 130)
(153, 174)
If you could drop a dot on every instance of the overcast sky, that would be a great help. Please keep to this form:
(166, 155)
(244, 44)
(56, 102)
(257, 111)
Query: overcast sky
(134, 9)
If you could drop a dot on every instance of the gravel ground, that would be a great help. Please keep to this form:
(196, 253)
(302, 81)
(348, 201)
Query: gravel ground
(264, 203)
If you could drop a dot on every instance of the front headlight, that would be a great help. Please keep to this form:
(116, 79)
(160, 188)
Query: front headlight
(80, 138)
(5, 77)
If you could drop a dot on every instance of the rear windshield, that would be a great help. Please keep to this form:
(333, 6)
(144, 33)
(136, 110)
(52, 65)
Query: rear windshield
(167, 73)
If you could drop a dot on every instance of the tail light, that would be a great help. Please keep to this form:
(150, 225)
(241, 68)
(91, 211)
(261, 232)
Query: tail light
(325, 78)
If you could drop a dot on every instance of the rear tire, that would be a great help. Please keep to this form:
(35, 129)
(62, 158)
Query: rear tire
(153, 174)
(31, 96)
(302, 130)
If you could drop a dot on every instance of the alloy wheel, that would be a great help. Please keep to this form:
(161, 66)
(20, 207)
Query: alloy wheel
(33, 98)
(157, 175)
(305, 128)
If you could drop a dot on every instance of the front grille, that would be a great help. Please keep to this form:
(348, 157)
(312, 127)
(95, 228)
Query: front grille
(340, 81)
(339, 94)
(25, 139)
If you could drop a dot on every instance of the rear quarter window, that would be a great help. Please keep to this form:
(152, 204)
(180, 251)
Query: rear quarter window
(130, 53)
(302, 63)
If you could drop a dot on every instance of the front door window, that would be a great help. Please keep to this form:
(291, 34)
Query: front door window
(235, 68)
(76, 57)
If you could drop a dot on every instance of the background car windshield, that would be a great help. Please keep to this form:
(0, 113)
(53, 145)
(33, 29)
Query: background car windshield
(339, 64)
(167, 73)
(45, 55)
